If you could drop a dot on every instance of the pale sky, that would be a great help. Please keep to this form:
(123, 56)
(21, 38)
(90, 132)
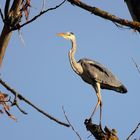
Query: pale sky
(40, 70)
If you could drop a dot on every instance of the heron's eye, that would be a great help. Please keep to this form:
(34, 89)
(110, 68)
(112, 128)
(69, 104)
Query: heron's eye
(72, 33)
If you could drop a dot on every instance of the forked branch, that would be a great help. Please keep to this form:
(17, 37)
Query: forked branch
(38, 15)
(19, 96)
(12, 21)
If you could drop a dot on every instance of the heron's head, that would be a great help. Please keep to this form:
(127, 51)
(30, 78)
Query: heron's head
(67, 35)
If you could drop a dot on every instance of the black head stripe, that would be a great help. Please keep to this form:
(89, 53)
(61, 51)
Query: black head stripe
(72, 33)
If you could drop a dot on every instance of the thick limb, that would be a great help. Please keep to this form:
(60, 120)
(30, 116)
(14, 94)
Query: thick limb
(99, 103)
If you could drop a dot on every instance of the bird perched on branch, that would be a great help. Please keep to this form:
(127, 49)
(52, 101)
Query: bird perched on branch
(93, 73)
(134, 9)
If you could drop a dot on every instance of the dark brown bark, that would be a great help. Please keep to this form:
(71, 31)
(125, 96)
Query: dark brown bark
(98, 133)
(98, 12)
(4, 40)
(11, 18)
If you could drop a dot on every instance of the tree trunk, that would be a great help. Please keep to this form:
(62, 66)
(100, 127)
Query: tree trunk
(4, 40)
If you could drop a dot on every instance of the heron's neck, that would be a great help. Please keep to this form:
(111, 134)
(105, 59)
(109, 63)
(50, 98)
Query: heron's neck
(75, 66)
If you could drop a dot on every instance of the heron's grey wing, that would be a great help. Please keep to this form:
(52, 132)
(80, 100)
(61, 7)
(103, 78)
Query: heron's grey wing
(134, 9)
(99, 73)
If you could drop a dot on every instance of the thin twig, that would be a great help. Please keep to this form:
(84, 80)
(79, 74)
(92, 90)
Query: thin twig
(121, 26)
(21, 38)
(136, 65)
(118, 25)
(1, 14)
(43, 5)
(15, 93)
(71, 124)
(37, 16)
(15, 103)
(128, 138)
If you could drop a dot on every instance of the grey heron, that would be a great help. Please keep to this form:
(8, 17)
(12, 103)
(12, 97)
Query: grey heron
(134, 9)
(93, 73)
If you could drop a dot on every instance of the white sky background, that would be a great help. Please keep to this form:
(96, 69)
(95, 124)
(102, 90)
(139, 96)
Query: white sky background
(41, 72)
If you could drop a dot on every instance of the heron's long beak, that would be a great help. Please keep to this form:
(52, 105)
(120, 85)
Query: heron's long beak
(64, 35)
(61, 34)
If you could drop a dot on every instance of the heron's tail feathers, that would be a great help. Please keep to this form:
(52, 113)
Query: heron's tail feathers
(122, 89)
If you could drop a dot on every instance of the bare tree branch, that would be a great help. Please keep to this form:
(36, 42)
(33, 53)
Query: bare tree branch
(15, 8)
(4, 40)
(1, 14)
(12, 22)
(15, 93)
(98, 12)
(6, 9)
(6, 32)
(136, 65)
(133, 131)
(37, 16)
(71, 124)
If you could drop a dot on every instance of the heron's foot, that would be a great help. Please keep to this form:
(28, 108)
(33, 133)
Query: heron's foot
(95, 129)
(90, 120)
(99, 133)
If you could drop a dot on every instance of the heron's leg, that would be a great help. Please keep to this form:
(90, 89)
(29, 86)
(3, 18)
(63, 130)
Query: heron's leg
(101, 110)
(98, 93)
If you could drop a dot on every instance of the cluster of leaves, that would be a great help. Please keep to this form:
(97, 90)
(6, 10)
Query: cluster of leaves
(26, 4)
(5, 107)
